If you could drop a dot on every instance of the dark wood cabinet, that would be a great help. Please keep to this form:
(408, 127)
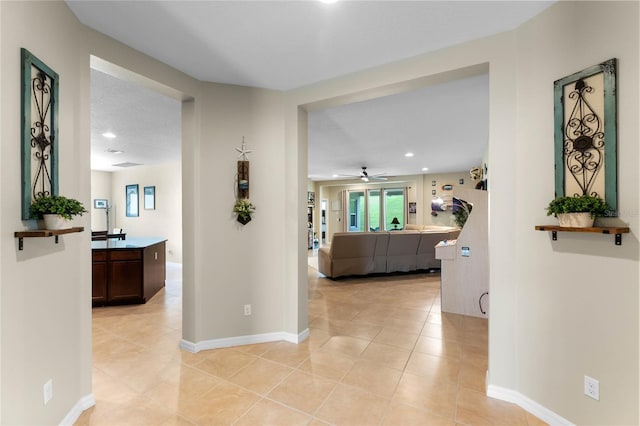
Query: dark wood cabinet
(99, 277)
(127, 271)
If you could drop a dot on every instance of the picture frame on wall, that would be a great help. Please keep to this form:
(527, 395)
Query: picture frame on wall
(99, 204)
(585, 134)
(149, 197)
(39, 128)
(132, 202)
(412, 207)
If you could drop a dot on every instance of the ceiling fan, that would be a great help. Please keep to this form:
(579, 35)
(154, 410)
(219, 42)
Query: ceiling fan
(366, 177)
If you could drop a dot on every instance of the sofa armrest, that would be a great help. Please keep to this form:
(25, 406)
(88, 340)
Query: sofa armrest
(324, 261)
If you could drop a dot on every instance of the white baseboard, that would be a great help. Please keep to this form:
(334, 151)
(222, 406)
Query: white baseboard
(244, 340)
(527, 404)
(84, 403)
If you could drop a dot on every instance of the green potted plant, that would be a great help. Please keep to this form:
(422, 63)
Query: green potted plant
(577, 211)
(461, 210)
(244, 209)
(56, 210)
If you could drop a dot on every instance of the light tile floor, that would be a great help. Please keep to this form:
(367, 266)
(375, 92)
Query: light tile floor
(380, 352)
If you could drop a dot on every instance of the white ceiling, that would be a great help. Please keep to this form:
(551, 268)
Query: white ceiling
(146, 124)
(287, 44)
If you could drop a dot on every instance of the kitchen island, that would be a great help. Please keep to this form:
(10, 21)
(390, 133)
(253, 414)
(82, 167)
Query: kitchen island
(127, 271)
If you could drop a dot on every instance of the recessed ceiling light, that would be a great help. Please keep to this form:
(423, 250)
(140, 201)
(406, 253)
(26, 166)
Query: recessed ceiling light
(114, 151)
(328, 1)
(409, 154)
(424, 169)
(335, 176)
(109, 135)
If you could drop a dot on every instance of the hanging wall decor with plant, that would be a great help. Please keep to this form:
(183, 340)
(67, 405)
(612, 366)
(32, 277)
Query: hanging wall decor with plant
(244, 208)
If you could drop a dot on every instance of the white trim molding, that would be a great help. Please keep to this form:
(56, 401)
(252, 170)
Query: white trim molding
(84, 403)
(527, 404)
(244, 340)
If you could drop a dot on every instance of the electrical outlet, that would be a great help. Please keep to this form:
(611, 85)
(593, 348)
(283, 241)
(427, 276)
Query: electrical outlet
(592, 388)
(247, 310)
(47, 391)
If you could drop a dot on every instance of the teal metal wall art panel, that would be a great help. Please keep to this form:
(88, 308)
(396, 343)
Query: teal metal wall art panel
(585, 133)
(39, 102)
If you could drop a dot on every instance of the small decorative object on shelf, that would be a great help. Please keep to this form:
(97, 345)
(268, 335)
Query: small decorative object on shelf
(577, 212)
(57, 211)
(244, 209)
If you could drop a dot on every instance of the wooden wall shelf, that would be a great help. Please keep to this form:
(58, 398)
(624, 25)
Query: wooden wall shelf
(608, 230)
(43, 233)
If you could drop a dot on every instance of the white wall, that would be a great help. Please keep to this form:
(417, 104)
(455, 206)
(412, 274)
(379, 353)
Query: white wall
(577, 298)
(45, 297)
(240, 264)
(444, 218)
(166, 220)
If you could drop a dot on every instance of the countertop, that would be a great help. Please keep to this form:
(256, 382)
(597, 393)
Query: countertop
(129, 243)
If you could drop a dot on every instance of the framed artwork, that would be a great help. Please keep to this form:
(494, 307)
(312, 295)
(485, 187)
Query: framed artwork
(447, 187)
(99, 204)
(412, 207)
(311, 198)
(585, 133)
(39, 100)
(132, 203)
(433, 183)
(433, 192)
(149, 197)
(461, 181)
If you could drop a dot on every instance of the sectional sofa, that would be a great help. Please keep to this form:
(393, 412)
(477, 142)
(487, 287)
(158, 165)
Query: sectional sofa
(362, 253)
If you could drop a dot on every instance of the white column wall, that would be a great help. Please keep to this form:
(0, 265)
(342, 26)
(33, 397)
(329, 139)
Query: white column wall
(576, 298)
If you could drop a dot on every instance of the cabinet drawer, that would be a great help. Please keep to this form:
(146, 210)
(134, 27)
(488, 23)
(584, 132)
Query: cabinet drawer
(99, 256)
(125, 255)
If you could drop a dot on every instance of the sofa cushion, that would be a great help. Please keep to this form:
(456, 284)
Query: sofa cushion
(380, 253)
(426, 255)
(401, 251)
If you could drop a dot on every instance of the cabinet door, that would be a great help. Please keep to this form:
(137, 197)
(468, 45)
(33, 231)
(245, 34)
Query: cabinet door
(125, 280)
(99, 282)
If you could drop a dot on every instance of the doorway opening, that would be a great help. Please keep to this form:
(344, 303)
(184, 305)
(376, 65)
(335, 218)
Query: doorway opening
(136, 191)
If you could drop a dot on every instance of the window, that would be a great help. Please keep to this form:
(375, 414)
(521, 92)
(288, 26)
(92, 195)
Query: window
(356, 211)
(393, 208)
(374, 209)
